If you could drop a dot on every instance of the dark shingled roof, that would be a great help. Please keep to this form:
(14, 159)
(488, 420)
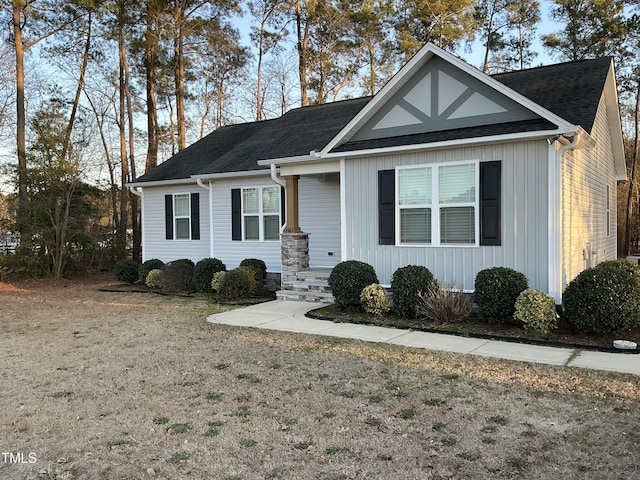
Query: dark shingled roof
(570, 90)
(237, 148)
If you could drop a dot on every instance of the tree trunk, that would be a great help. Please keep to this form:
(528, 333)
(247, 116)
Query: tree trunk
(21, 116)
(178, 50)
(151, 46)
(303, 44)
(76, 101)
(632, 177)
(121, 234)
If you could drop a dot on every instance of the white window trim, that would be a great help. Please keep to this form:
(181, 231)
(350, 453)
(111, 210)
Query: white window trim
(260, 213)
(176, 217)
(436, 205)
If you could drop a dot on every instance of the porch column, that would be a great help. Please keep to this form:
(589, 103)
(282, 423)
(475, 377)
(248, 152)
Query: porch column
(295, 243)
(292, 214)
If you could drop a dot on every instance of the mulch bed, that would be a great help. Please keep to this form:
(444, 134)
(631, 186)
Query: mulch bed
(474, 327)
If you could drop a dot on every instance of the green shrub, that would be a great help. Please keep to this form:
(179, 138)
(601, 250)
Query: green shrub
(260, 272)
(496, 291)
(348, 279)
(374, 299)
(237, 283)
(406, 283)
(204, 271)
(443, 304)
(216, 281)
(178, 276)
(146, 267)
(126, 270)
(626, 265)
(154, 278)
(536, 311)
(602, 299)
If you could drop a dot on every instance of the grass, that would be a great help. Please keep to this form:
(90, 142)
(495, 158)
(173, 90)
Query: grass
(323, 409)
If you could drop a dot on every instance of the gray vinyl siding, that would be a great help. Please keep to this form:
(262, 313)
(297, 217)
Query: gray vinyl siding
(155, 244)
(319, 197)
(233, 252)
(524, 216)
(586, 174)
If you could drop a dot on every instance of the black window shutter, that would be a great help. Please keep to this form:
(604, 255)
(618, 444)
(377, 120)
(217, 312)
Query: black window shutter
(168, 216)
(490, 208)
(283, 207)
(236, 214)
(387, 207)
(195, 216)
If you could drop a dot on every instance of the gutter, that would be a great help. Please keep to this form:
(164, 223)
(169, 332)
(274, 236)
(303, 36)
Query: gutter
(133, 189)
(282, 183)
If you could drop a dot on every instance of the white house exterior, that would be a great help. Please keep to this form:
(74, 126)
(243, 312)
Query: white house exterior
(445, 167)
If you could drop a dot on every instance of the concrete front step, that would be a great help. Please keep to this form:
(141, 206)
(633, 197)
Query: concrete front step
(304, 296)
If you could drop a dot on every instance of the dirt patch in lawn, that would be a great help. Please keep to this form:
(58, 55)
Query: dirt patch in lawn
(123, 385)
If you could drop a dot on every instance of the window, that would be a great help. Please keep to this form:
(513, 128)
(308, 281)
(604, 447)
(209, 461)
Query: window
(438, 204)
(261, 213)
(182, 217)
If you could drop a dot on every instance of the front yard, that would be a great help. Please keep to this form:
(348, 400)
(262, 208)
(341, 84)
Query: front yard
(128, 385)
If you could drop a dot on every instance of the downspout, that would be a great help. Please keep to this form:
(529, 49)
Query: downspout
(283, 184)
(209, 187)
(556, 254)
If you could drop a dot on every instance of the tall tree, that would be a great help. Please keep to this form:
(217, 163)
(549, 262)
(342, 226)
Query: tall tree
(31, 22)
(268, 31)
(369, 22)
(591, 28)
(445, 23)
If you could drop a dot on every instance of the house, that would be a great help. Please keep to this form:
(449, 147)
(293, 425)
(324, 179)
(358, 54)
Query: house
(445, 167)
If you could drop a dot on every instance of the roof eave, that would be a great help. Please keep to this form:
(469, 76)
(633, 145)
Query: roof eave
(511, 137)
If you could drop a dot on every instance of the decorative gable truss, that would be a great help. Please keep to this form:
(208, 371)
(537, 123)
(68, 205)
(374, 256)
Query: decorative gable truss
(441, 97)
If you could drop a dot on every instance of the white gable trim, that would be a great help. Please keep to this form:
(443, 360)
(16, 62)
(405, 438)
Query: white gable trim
(421, 58)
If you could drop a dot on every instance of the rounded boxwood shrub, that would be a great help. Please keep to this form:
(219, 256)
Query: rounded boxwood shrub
(147, 266)
(204, 271)
(496, 291)
(406, 283)
(348, 279)
(602, 299)
(178, 276)
(626, 265)
(216, 281)
(260, 272)
(237, 283)
(154, 278)
(536, 311)
(374, 299)
(126, 270)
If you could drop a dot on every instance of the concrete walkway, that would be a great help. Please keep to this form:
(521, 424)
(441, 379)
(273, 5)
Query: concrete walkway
(290, 317)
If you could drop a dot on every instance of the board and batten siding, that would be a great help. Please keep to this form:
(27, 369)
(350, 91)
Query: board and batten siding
(524, 216)
(154, 242)
(319, 197)
(586, 174)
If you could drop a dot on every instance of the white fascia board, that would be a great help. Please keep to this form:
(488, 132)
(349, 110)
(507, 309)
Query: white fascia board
(511, 137)
(613, 118)
(422, 57)
(240, 174)
(287, 160)
(161, 183)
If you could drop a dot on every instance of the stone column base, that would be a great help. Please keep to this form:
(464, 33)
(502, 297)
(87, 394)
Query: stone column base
(295, 257)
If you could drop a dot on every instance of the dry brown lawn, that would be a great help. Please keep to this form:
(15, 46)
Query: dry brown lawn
(100, 385)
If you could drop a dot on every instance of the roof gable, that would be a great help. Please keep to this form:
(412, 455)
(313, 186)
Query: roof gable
(454, 94)
(441, 97)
